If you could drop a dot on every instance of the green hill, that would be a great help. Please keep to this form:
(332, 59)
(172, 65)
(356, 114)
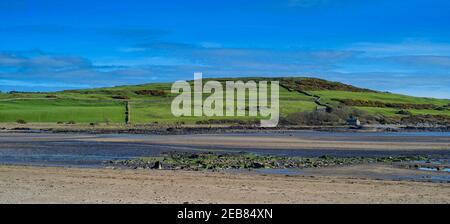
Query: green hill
(150, 103)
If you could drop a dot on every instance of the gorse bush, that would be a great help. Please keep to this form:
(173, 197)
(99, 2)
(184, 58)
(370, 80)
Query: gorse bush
(21, 121)
(368, 103)
(121, 97)
(312, 118)
(404, 112)
(312, 84)
(151, 92)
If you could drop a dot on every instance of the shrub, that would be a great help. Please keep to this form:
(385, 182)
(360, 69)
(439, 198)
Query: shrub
(344, 112)
(426, 119)
(311, 84)
(333, 116)
(369, 103)
(442, 108)
(228, 121)
(121, 97)
(404, 112)
(151, 92)
(312, 118)
(71, 122)
(20, 121)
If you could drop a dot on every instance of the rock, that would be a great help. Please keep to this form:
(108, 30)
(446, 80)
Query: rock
(276, 164)
(325, 157)
(257, 165)
(157, 165)
(193, 156)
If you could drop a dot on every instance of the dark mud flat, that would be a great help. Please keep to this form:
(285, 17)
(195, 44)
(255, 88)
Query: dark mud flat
(72, 153)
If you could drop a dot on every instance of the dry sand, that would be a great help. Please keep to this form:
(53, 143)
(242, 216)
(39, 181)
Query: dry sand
(20, 184)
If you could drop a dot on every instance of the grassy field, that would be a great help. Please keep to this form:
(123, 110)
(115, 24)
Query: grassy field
(61, 110)
(329, 96)
(107, 105)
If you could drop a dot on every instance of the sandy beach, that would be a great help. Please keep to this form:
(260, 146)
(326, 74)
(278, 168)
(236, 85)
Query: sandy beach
(69, 168)
(19, 184)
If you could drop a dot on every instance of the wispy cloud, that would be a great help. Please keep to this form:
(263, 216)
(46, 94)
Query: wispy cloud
(393, 67)
(127, 34)
(19, 71)
(9, 60)
(409, 47)
(136, 34)
(35, 29)
(176, 61)
(435, 85)
(424, 61)
(21, 84)
(248, 61)
(43, 62)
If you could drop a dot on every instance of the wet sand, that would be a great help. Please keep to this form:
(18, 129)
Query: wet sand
(20, 184)
(294, 142)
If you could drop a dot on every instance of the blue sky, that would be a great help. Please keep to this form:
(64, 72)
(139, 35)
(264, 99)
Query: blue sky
(387, 45)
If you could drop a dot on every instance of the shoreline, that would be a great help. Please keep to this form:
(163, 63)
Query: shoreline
(207, 129)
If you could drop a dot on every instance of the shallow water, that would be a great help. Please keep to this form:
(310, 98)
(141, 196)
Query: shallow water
(423, 175)
(434, 169)
(351, 134)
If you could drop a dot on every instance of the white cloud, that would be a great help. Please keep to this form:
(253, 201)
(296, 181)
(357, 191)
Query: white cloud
(6, 82)
(401, 49)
